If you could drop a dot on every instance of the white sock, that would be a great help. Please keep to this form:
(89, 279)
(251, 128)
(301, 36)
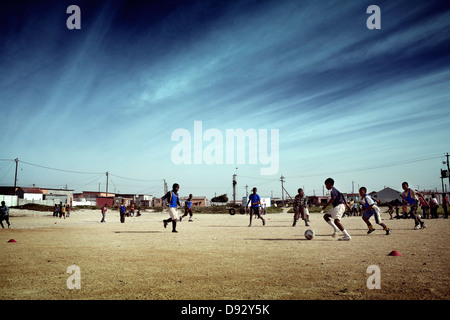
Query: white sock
(331, 223)
(345, 233)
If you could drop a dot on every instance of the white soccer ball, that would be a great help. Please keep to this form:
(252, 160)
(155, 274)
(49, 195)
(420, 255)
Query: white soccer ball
(309, 234)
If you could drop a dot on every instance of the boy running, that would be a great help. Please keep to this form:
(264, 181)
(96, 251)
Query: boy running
(338, 202)
(4, 215)
(174, 202)
(370, 209)
(254, 208)
(188, 209)
(410, 198)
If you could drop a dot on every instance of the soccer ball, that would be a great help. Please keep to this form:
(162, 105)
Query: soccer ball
(309, 234)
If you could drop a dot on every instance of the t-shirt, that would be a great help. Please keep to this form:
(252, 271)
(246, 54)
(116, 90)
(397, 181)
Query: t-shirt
(367, 201)
(254, 198)
(4, 211)
(300, 201)
(188, 204)
(434, 202)
(337, 196)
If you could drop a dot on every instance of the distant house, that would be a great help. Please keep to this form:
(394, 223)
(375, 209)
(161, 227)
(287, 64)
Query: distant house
(317, 201)
(101, 201)
(93, 198)
(58, 195)
(157, 202)
(91, 195)
(144, 200)
(34, 194)
(199, 201)
(196, 201)
(386, 195)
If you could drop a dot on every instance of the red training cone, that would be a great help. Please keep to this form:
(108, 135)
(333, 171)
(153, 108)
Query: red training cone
(11, 240)
(395, 253)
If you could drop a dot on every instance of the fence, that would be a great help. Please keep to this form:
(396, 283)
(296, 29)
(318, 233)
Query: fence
(10, 201)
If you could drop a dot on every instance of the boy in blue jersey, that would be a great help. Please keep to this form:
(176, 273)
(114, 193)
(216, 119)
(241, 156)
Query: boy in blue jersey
(122, 211)
(411, 199)
(339, 204)
(174, 202)
(370, 209)
(254, 208)
(188, 209)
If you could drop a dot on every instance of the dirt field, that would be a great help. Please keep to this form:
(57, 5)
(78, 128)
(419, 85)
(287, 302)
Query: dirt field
(218, 257)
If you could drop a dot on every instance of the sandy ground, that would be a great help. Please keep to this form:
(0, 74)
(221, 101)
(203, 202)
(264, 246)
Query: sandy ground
(218, 257)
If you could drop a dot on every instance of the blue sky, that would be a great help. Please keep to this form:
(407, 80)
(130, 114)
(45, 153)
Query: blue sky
(109, 96)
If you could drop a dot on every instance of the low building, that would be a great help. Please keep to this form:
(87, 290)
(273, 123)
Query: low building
(101, 201)
(58, 195)
(196, 201)
(33, 194)
(144, 200)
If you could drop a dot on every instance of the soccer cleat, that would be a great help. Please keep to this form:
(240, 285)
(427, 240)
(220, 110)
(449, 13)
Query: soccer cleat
(388, 231)
(370, 231)
(345, 238)
(335, 233)
(165, 224)
(423, 225)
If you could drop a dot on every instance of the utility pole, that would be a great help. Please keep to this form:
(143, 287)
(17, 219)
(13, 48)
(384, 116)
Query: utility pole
(448, 170)
(234, 188)
(107, 177)
(15, 178)
(165, 186)
(282, 189)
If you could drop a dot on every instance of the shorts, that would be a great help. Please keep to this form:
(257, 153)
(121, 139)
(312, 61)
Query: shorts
(374, 212)
(337, 212)
(255, 210)
(173, 212)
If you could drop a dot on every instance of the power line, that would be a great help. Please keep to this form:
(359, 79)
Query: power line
(61, 170)
(142, 180)
(370, 167)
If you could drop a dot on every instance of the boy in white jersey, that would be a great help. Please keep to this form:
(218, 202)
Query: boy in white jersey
(370, 209)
